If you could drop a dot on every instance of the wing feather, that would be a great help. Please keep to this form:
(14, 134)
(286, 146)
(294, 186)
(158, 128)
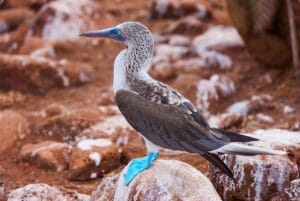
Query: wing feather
(166, 124)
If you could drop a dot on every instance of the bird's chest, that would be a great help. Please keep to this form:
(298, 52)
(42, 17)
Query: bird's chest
(119, 81)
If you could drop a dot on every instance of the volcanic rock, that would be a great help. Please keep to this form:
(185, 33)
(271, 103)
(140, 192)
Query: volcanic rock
(212, 90)
(11, 98)
(12, 18)
(260, 177)
(166, 180)
(68, 123)
(179, 40)
(92, 158)
(38, 74)
(217, 38)
(291, 193)
(255, 104)
(226, 120)
(187, 25)
(13, 126)
(42, 191)
(176, 9)
(63, 19)
(47, 154)
(25, 3)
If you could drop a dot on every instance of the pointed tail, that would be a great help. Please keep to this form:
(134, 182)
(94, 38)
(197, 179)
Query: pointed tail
(243, 149)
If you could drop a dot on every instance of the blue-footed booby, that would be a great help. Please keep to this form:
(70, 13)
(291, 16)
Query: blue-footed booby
(164, 117)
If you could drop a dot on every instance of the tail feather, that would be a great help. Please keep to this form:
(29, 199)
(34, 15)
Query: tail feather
(243, 149)
(235, 137)
(215, 160)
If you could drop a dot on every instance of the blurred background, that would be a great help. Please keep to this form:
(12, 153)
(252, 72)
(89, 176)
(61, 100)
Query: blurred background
(237, 60)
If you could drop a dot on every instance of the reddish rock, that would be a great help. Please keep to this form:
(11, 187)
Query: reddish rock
(11, 98)
(179, 40)
(54, 109)
(69, 123)
(131, 145)
(217, 38)
(291, 193)
(63, 19)
(93, 158)
(37, 47)
(25, 3)
(38, 74)
(109, 126)
(226, 120)
(188, 25)
(187, 84)
(212, 90)
(10, 42)
(259, 177)
(12, 18)
(48, 154)
(256, 104)
(45, 192)
(176, 9)
(105, 191)
(166, 180)
(13, 126)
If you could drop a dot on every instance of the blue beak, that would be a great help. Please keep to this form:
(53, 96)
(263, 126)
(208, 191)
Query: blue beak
(114, 33)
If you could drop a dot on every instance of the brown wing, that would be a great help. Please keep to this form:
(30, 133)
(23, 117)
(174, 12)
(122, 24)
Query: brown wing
(169, 126)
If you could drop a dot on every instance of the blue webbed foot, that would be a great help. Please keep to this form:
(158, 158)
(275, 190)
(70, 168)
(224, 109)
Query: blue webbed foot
(138, 165)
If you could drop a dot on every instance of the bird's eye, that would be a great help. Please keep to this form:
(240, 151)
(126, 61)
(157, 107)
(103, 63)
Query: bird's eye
(119, 32)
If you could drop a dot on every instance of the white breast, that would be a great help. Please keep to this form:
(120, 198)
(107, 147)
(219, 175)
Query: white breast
(120, 73)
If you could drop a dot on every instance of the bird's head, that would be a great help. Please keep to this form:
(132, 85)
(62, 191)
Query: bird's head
(127, 32)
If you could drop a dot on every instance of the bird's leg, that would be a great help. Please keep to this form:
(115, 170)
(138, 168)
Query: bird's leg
(138, 165)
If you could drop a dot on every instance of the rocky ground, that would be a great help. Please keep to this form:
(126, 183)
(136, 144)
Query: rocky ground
(62, 135)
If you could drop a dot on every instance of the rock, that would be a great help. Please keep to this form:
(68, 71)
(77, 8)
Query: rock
(10, 42)
(38, 74)
(226, 120)
(69, 123)
(163, 70)
(260, 177)
(204, 64)
(12, 18)
(162, 62)
(212, 90)
(169, 53)
(188, 25)
(42, 191)
(255, 104)
(264, 118)
(166, 180)
(187, 84)
(108, 127)
(131, 145)
(25, 3)
(176, 9)
(291, 193)
(48, 154)
(105, 191)
(13, 127)
(54, 109)
(63, 19)
(11, 98)
(179, 40)
(216, 38)
(93, 158)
